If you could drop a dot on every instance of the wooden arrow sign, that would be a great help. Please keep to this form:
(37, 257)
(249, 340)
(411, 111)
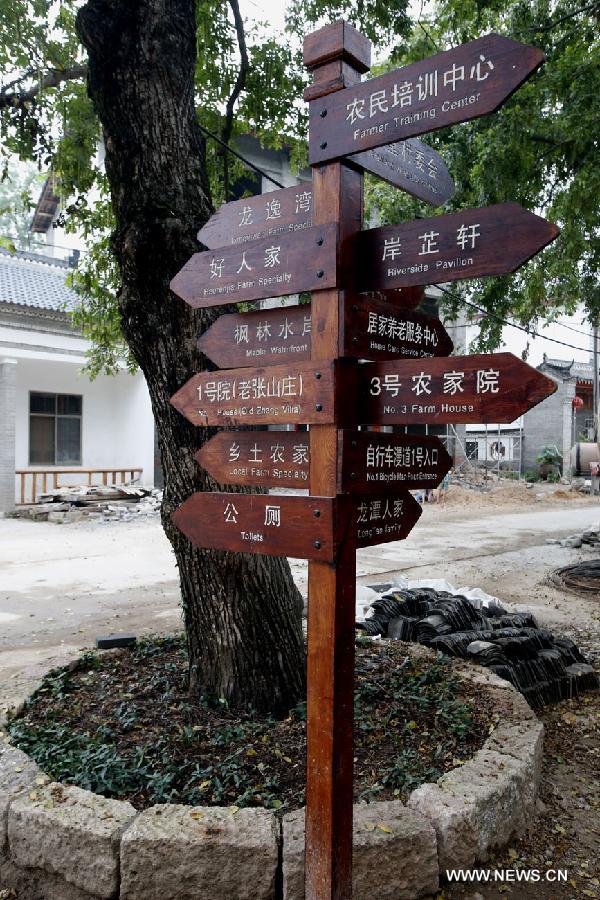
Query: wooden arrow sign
(372, 329)
(280, 525)
(412, 166)
(293, 394)
(257, 523)
(370, 462)
(263, 216)
(385, 519)
(455, 86)
(376, 329)
(472, 243)
(259, 458)
(495, 387)
(271, 267)
(377, 463)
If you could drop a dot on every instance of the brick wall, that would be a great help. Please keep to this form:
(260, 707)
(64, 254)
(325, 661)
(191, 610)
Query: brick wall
(8, 380)
(549, 424)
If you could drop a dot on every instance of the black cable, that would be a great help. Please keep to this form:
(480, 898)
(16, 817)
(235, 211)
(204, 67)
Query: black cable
(528, 331)
(239, 156)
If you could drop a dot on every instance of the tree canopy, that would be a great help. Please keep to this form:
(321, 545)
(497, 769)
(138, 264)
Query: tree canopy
(540, 149)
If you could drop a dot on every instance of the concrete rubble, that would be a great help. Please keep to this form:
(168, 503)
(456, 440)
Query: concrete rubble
(589, 537)
(106, 503)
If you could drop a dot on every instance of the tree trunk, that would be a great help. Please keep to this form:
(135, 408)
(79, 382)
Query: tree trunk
(242, 613)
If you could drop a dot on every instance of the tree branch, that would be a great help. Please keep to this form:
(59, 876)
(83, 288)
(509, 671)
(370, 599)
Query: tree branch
(237, 88)
(19, 99)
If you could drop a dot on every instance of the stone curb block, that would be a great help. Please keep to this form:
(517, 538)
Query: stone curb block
(394, 848)
(59, 842)
(199, 853)
(72, 833)
(476, 807)
(17, 774)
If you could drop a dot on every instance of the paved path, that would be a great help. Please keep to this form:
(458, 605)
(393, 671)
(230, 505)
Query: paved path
(61, 585)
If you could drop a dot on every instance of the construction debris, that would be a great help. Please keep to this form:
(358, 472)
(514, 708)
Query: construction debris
(582, 578)
(101, 502)
(590, 536)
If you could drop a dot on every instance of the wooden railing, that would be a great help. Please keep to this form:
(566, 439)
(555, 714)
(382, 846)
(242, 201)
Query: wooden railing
(51, 476)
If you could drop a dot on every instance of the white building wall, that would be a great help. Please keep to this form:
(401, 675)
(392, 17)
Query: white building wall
(117, 422)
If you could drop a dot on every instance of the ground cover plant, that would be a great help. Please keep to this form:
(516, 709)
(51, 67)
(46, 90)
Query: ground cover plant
(123, 725)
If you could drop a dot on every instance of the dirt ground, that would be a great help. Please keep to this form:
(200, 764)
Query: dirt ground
(62, 585)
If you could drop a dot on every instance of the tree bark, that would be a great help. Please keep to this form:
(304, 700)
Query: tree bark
(242, 613)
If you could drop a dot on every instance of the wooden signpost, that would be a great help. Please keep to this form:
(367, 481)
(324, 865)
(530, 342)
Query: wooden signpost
(370, 462)
(372, 329)
(288, 366)
(451, 87)
(472, 243)
(270, 267)
(412, 166)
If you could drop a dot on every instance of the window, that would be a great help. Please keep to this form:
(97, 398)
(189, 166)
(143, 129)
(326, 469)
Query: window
(54, 429)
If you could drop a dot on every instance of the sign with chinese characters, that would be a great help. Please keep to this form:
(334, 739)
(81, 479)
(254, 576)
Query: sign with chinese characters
(376, 329)
(375, 463)
(292, 394)
(495, 387)
(267, 336)
(263, 216)
(270, 267)
(372, 329)
(411, 165)
(369, 461)
(260, 523)
(261, 458)
(472, 243)
(383, 519)
(406, 297)
(455, 86)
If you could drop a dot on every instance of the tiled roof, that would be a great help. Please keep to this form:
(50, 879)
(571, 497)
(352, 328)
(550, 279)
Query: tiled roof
(37, 283)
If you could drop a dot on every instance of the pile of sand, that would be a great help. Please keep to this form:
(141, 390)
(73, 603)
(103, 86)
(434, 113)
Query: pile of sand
(510, 493)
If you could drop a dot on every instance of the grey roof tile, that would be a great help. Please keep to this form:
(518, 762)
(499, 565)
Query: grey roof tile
(38, 284)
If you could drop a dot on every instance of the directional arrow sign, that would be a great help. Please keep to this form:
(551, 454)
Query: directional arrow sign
(271, 267)
(293, 394)
(303, 527)
(257, 523)
(372, 329)
(261, 458)
(411, 165)
(370, 461)
(389, 518)
(263, 216)
(495, 387)
(455, 86)
(377, 463)
(267, 336)
(493, 240)
(376, 329)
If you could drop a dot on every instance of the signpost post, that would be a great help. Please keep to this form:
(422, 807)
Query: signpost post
(350, 358)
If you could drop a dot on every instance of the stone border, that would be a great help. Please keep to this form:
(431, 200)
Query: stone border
(58, 842)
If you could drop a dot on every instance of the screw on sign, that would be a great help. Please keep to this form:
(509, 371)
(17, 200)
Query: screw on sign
(372, 329)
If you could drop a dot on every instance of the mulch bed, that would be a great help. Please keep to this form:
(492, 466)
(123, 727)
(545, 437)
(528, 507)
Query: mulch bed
(122, 725)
